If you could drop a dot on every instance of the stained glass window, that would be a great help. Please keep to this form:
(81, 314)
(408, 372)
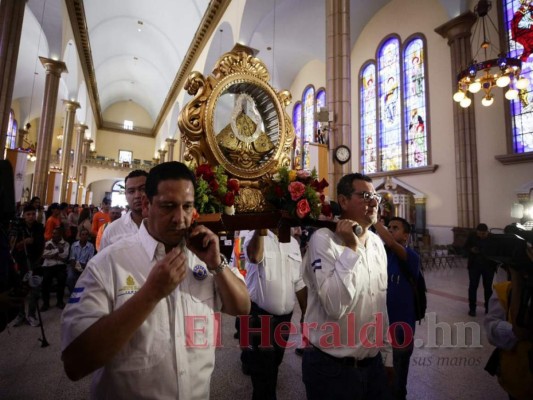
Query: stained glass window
(415, 104)
(11, 139)
(297, 123)
(320, 126)
(368, 119)
(308, 124)
(518, 21)
(393, 107)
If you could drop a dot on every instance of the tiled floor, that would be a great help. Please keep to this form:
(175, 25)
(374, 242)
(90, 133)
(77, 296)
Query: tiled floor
(444, 366)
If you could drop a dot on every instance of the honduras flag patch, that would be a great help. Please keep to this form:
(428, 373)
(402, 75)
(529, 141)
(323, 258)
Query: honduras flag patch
(76, 295)
(317, 264)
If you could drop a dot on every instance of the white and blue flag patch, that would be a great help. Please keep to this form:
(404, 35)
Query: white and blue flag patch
(76, 295)
(317, 264)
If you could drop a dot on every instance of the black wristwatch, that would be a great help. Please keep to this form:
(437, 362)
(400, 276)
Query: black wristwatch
(222, 266)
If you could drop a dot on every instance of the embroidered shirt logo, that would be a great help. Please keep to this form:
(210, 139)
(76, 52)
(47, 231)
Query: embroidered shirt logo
(130, 288)
(199, 272)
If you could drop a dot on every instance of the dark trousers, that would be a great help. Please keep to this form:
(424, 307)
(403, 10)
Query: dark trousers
(60, 273)
(475, 272)
(401, 359)
(263, 362)
(327, 378)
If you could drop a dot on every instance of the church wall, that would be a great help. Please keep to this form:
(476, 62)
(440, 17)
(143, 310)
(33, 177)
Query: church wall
(109, 143)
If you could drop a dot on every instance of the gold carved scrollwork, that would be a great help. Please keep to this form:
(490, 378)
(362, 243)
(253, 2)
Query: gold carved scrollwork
(190, 119)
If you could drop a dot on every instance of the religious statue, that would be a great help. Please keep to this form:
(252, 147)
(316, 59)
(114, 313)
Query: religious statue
(242, 140)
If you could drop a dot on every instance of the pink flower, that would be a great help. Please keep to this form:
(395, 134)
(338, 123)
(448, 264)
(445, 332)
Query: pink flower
(297, 190)
(303, 174)
(302, 208)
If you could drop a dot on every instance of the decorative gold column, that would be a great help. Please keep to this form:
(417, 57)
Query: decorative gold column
(338, 83)
(54, 69)
(11, 17)
(458, 32)
(78, 150)
(162, 154)
(68, 129)
(170, 144)
(20, 137)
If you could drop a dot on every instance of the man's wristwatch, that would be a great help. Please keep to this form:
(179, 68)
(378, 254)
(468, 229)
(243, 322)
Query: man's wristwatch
(222, 266)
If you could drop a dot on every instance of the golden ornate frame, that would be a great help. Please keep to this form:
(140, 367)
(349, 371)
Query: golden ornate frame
(234, 71)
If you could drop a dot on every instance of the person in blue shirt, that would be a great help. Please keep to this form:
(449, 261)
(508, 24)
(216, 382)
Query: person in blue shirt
(400, 297)
(80, 254)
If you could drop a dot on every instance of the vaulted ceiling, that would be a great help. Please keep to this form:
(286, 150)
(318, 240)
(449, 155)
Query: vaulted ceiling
(141, 51)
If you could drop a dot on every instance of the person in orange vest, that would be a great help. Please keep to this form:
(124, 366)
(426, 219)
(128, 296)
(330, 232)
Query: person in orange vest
(114, 214)
(101, 217)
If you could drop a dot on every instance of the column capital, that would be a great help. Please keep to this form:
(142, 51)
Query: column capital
(54, 67)
(171, 141)
(459, 26)
(81, 127)
(88, 141)
(71, 105)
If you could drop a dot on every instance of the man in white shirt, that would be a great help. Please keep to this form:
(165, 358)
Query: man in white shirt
(55, 257)
(346, 318)
(142, 316)
(129, 223)
(273, 278)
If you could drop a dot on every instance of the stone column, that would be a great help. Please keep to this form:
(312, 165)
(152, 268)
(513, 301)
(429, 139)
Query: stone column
(155, 161)
(11, 17)
(338, 83)
(20, 137)
(78, 150)
(171, 143)
(54, 69)
(458, 32)
(420, 212)
(68, 130)
(162, 154)
(85, 153)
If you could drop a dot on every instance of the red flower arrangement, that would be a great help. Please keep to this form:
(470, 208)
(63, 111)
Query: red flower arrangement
(214, 189)
(300, 193)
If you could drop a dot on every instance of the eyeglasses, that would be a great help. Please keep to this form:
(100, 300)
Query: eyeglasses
(368, 197)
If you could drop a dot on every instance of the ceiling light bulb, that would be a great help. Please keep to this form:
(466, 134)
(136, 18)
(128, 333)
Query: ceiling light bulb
(503, 81)
(522, 83)
(458, 96)
(487, 100)
(465, 102)
(511, 94)
(474, 87)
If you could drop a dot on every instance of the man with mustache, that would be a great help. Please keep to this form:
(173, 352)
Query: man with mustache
(142, 316)
(129, 223)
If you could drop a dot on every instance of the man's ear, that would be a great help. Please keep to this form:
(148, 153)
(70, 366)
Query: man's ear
(343, 202)
(145, 205)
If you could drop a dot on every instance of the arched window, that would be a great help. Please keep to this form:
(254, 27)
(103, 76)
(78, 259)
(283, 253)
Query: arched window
(320, 126)
(518, 36)
(12, 128)
(305, 125)
(393, 105)
(118, 197)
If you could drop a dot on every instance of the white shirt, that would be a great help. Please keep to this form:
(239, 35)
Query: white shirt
(156, 363)
(274, 280)
(116, 230)
(347, 290)
(60, 249)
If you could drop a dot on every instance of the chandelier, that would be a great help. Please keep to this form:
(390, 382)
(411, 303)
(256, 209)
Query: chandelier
(501, 71)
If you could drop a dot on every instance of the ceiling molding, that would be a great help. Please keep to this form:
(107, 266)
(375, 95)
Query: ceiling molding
(210, 20)
(212, 17)
(76, 13)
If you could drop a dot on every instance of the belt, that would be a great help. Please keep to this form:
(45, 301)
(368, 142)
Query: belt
(348, 361)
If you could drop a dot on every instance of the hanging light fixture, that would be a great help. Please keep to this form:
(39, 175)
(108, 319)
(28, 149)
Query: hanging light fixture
(501, 71)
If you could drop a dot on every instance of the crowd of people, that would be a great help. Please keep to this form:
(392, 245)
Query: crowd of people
(146, 286)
